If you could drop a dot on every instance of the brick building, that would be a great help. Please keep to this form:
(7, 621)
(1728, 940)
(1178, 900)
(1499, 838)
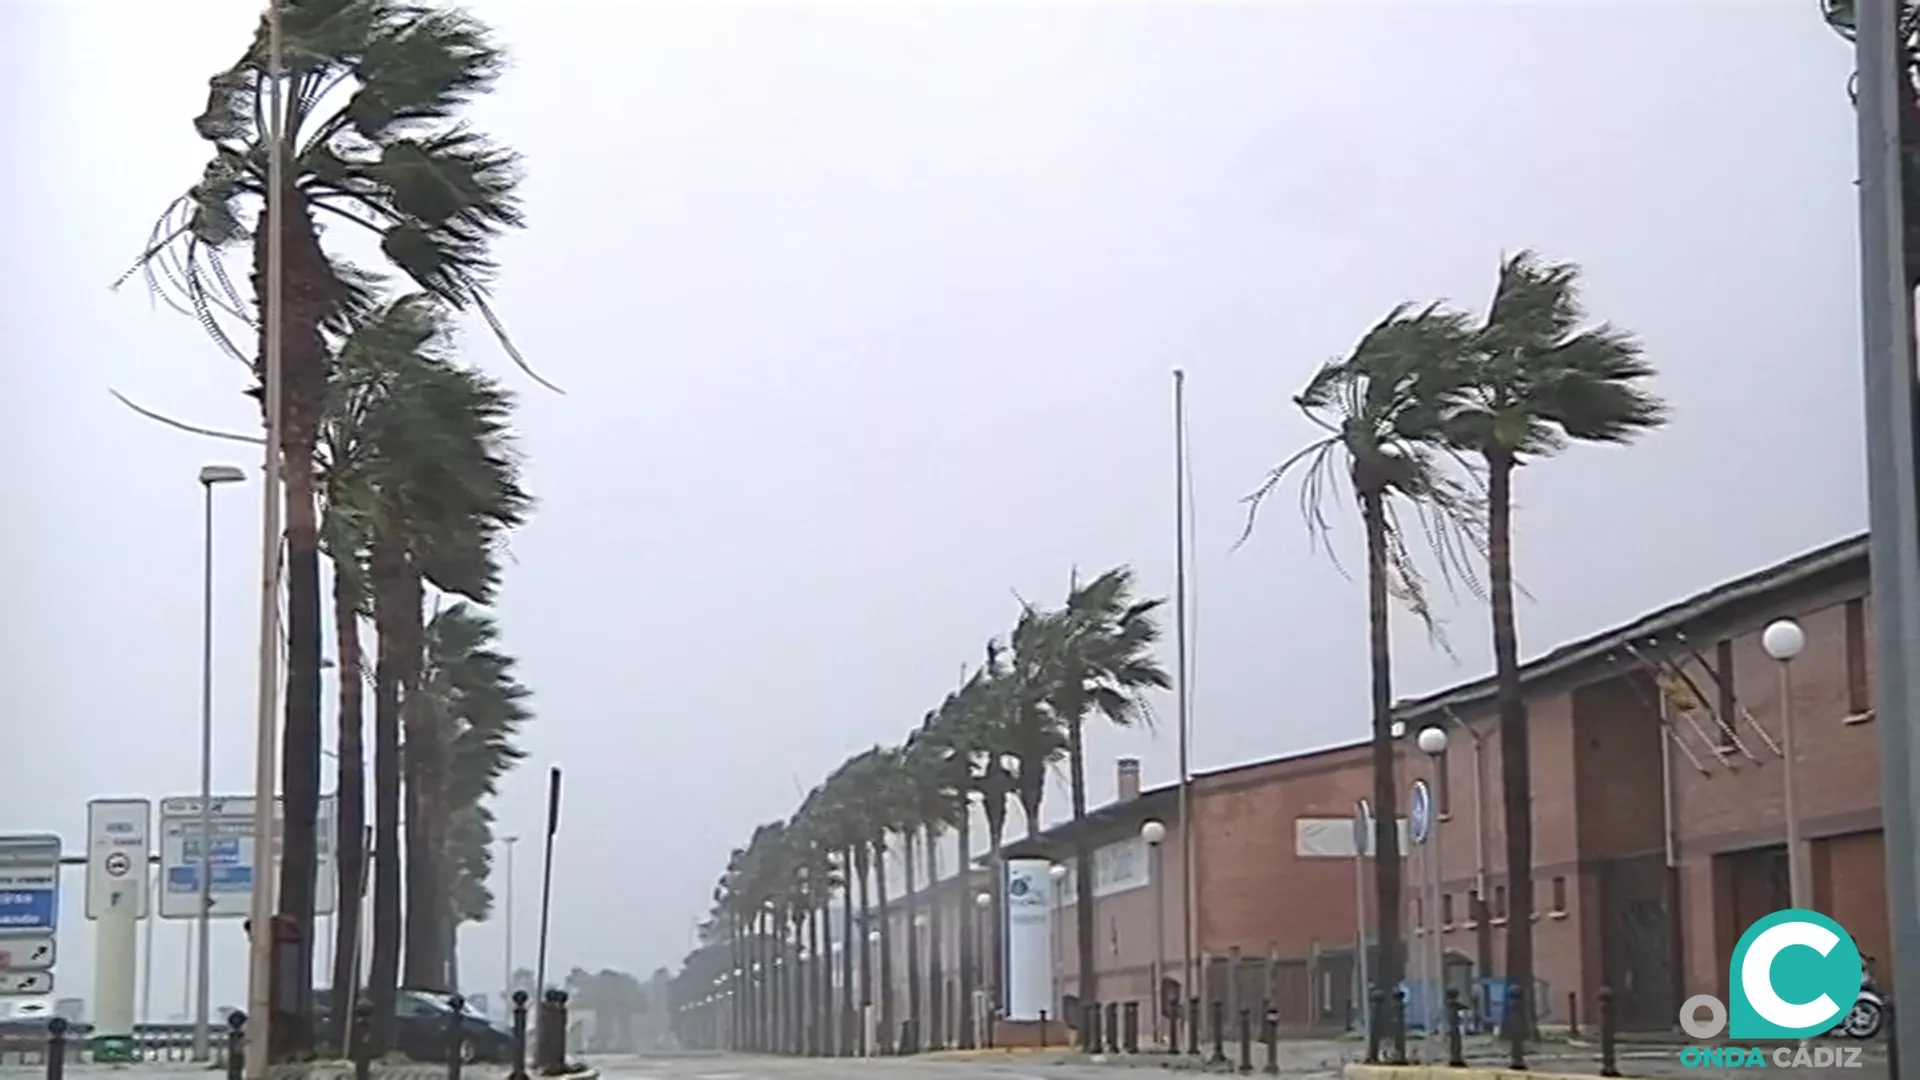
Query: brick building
(1658, 820)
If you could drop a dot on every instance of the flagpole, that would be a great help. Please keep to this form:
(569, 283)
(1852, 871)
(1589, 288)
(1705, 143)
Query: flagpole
(260, 940)
(1183, 699)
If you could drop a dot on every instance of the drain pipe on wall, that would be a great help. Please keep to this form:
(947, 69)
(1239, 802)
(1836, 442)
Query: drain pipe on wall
(1666, 784)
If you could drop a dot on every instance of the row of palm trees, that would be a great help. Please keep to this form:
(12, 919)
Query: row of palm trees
(400, 463)
(1426, 421)
(990, 743)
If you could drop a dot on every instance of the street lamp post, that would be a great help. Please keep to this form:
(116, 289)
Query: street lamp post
(982, 1017)
(1783, 640)
(1058, 873)
(506, 912)
(211, 476)
(1154, 832)
(1432, 742)
(868, 1020)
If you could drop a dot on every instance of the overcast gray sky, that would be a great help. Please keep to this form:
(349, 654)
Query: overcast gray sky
(866, 315)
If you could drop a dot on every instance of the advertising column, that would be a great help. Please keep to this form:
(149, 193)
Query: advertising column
(1029, 939)
(117, 842)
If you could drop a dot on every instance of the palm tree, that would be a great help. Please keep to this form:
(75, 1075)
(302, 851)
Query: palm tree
(371, 142)
(992, 698)
(1033, 739)
(1381, 422)
(1534, 378)
(1099, 658)
(475, 705)
(938, 786)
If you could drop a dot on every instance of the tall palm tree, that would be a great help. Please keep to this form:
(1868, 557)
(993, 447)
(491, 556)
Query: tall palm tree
(990, 697)
(476, 705)
(370, 142)
(1380, 424)
(1099, 660)
(936, 779)
(1534, 378)
(1032, 737)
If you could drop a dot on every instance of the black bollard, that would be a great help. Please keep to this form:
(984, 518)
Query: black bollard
(1399, 1024)
(1270, 1032)
(1193, 1026)
(550, 1035)
(519, 1070)
(1376, 1013)
(456, 1036)
(1573, 1015)
(1516, 1021)
(1090, 1028)
(236, 1044)
(56, 1048)
(1608, 1064)
(1130, 1028)
(1246, 1040)
(1456, 1052)
(1173, 1026)
(1217, 1019)
(1112, 1027)
(361, 1050)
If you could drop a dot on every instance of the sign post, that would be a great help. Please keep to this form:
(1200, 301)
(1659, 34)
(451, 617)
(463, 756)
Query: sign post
(231, 855)
(1420, 824)
(1362, 845)
(118, 836)
(29, 913)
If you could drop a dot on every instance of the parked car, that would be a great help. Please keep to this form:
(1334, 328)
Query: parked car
(422, 1028)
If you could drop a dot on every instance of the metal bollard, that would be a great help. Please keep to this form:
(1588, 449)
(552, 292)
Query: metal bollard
(1609, 1066)
(1516, 1024)
(1193, 1026)
(1130, 1028)
(1043, 1029)
(236, 1044)
(56, 1048)
(1173, 1026)
(362, 1050)
(1456, 1052)
(1090, 1028)
(1400, 1025)
(519, 1070)
(1573, 1015)
(1217, 1019)
(550, 1034)
(1112, 1027)
(456, 1035)
(1376, 1012)
(1270, 1033)
(1246, 1040)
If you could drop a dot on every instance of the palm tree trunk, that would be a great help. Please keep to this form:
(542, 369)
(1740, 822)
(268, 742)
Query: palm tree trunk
(1516, 773)
(424, 967)
(936, 946)
(390, 596)
(913, 899)
(816, 970)
(451, 951)
(966, 912)
(862, 866)
(883, 996)
(1386, 814)
(1082, 859)
(350, 784)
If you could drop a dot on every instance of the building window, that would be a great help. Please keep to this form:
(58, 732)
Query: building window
(1419, 913)
(1446, 909)
(1859, 694)
(1443, 785)
(1559, 896)
(1729, 701)
(1499, 903)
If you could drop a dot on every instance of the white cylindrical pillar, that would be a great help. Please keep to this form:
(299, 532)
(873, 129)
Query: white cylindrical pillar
(1029, 939)
(115, 960)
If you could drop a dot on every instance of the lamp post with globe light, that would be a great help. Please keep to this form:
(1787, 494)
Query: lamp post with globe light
(1058, 874)
(983, 993)
(867, 1015)
(1783, 640)
(1154, 833)
(1432, 742)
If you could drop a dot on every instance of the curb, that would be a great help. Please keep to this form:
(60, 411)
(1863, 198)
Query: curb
(1362, 1071)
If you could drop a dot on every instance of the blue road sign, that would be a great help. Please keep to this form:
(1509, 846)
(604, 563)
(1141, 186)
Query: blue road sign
(29, 909)
(1420, 812)
(227, 878)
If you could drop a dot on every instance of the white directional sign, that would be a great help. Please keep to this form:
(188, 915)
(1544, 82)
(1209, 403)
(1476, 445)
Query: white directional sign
(119, 834)
(25, 983)
(27, 953)
(230, 856)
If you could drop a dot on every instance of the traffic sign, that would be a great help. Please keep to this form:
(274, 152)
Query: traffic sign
(119, 836)
(27, 953)
(25, 983)
(1362, 829)
(29, 884)
(1420, 812)
(228, 836)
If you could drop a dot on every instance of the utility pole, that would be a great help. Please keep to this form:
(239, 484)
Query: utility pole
(507, 911)
(1886, 323)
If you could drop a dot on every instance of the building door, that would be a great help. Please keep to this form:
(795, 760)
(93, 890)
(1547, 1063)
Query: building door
(1640, 944)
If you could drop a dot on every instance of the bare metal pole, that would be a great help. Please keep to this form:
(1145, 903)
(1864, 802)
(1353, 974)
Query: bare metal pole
(260, 942)
(507, 914)
(1893, 505)
(1189, 882)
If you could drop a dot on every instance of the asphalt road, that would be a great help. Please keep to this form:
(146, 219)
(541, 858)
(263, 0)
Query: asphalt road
(1303, 1061)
